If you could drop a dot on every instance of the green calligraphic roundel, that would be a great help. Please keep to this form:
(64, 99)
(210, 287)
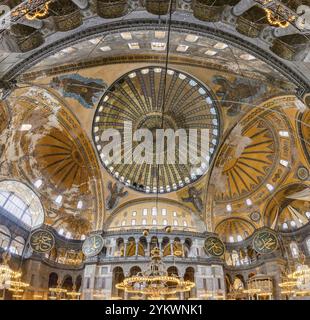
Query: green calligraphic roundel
(214, 246)
(42, 241)
(265, 241)
(92, 245)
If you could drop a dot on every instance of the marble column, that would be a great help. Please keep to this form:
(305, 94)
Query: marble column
(125, 249)
(148, 247)
(242, 6)
(137, 247)
(160, 241)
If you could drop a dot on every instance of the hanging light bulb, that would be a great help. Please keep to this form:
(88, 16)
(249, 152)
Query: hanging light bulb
(6, 273)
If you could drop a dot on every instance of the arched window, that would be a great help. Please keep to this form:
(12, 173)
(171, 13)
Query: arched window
(294, 250)
(21, 202)
(239, 238)
(154, 211)
(17, 246)
(68, 235)
(308, 214)
(5, 237)
(284, 226)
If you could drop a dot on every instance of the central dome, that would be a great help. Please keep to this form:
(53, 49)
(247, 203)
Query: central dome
(156, 99)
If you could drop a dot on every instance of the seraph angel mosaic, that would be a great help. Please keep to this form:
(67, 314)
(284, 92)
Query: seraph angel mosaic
(87, 91)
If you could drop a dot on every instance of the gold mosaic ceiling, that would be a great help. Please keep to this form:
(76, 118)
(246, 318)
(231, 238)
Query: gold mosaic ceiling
(283, 208)
(232, 227)
(246, 165)
(138, 97)
(60, 160)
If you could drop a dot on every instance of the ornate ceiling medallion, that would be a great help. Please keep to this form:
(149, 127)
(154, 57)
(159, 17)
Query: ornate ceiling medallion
(156, 130)
(214, 246)
(93, 245)
(255, 216)
(265, 241)
(42, 241)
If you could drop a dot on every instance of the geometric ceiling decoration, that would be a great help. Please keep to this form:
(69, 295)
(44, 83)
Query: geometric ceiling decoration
(61, 157)
(153, 98)
(60, 161)
(231, 228)
(255, 157)
(246, 159)
(285, 213)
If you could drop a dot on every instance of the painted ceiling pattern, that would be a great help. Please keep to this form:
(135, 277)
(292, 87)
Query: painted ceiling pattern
(153, 98)
(250, 156)
(60, 161)
(283, 212)
(229, 229)
(53, 148)
(217, 55)
(257, 153)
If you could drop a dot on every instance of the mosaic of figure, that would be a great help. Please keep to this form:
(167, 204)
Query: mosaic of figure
(194, 197)
(86, 91)
(116, 192)
(240, 90)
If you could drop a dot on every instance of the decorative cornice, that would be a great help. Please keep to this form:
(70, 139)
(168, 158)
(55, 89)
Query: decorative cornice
(181, 26)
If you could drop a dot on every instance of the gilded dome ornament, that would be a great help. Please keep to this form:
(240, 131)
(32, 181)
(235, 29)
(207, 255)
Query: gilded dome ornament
(93, 245)
(302, 173)
(145, 105)
(214, 246)
(42, 241)
(265, 241)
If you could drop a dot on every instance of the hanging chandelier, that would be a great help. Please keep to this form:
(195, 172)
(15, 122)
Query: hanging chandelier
(57, 293)
(155, 282)
(297, 282)
(74, 295)
(287, 286)
(301, 274)
(6, 273)
(32, 9)
(276, 18)
(17, 286)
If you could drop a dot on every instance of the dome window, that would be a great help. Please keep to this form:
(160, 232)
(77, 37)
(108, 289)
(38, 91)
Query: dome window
(38, 183)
